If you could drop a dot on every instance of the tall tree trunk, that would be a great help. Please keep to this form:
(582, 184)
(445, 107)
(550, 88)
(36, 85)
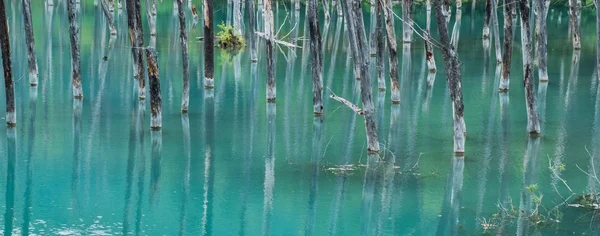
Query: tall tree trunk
(496, 31)
(542, 38)
(252, 26)
(508, 41)
(316, 54)
(533, 122)
(428, 47)
(109, 17)
(31, 57)
(453, 75)
(74, 36)
(9, 89)
(407, 12)
(353, 12)
(155, 98)
(487, 18)
(379, 45)
(185, 94)
(268, 23)
(575, 14)
(209, 44)
(392, 50)
(151, 18)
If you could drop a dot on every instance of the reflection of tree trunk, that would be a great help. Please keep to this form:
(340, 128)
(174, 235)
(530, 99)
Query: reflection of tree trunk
(269, 183)
(504, 174)
(533, 125)
(131, 150)
(452, 198)
(593, 185)
(185, 124)
(141, 167)
(155, 169)
(30, 144)
(316, 55)
(75, 175)
(486, 19)
(530, 172)
(11, 116)
(11, 144)
(315, 161)
(371, 184)
(407, 12)
(237, 17)
(209, 155)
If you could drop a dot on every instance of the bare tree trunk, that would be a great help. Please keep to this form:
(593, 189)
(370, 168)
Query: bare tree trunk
(392, 50)
(185, 94)
(496, 31)
(428, 47)
(151, 17)
(316, 54)
(268, 23)
(456, 28)
(74, 32)
(31, 57)
(109, 17)
(533, 122)
(252, 25)
(209, 58)
(352, 45)
(380, 47)
(453, 74)
(487, 19)
(137, 41)
(407, 12)
(575, 14)
(353, 12)
(542, 38)
(338, 6)
(508, 41)
(9, 89)
(237, 16)
(155, 98)
(326, 9)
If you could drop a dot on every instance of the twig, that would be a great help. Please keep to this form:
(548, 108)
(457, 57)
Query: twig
(553, 170)
(284, 43)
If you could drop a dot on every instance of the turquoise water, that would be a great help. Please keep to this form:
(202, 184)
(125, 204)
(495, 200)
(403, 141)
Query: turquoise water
(236, 165)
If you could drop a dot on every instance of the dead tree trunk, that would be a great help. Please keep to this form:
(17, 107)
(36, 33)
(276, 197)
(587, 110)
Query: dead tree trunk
(185, 94)
(407, 21)
(9, 89)
(353, 12)
(508, 41)
(31, 57)
(74, 36)
(209, 45)
(151, 18)
(316, 54)
(533, 123)
(268, 23)
(453, 74)
(155, 98)
(392, 50)
(542, 38)
(135, 36)
(487, 19)
(237, 16)
(456, 28)
(575, 15)
(379, 46)
(496, 31)
(252, 26)
(326, 9)
(428, 47)
(109, 17)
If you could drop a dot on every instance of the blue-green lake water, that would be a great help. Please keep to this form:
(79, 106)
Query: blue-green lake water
(236, 165)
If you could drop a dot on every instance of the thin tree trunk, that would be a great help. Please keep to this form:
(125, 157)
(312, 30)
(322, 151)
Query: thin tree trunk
(380, 47)
(31, 57)
(575, 14)
(316, 54)
(453, 74)
(252, 25)
(487, 18)
(209, 58)
(74, 36)
(392, 50)
(496, 31)
(109, 17)
(185, 94)
(11, 116)
(268, 23)
(428, 47)
(533, 123)
(407, 13)
(155, 98)
(542, 38)
(326, 9)
(353, 12)
(151, 18)
(508, 41)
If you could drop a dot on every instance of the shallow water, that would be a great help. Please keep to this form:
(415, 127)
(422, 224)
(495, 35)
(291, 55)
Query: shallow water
(237, 165)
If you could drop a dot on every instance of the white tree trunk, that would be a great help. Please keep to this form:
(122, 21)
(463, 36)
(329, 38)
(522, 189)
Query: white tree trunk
(428, 47)
(407, 12)
(533, 122)
(542, 38)
(392, 50)
(496, 31)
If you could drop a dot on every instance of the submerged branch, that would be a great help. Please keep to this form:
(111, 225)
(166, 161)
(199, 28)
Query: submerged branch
(284, 43)
(350, 105)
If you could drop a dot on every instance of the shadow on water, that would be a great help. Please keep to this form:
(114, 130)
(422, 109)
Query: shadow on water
(11, 143)
(449, 220)
(209, 155)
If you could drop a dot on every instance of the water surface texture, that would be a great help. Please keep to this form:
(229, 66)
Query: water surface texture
(236, 165)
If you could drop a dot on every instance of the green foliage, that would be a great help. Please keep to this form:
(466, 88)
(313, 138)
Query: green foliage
(531, 188)
(229, 39)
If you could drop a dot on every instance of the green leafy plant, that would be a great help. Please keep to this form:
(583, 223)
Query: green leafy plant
(229, 39)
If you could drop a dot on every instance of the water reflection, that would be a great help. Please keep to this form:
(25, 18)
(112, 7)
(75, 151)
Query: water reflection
(76, 168)
(529, 195)
(11, 143)
(185, 124)
(209, 155)
(156, 162)
(371, 185)
(269, 183)
(33, 94)
(141, 165)
(452, 199)
(315, 161)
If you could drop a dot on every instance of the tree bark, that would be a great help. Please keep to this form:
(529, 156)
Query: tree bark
(155, 98)
(407, 13)
(379, 46)
(326, 9)
(542, 38)
(252, 26)
(453, 75)
(508, 41)
(487, 18)
(209, 44)
(109, 17)
(268, 23)
(137, 41)
(316, 55)
(428, 47)
(74, 37)
(185, 94)
(392, 49)
(575, 14)
(496, 31)
(151, 18)
(31, 57)
(353, 12)
(9, 89)
(533, 123)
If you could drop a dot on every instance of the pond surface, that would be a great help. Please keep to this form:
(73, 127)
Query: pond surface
(237, 165)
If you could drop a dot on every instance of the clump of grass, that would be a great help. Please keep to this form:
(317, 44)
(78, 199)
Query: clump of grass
(230, 40)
